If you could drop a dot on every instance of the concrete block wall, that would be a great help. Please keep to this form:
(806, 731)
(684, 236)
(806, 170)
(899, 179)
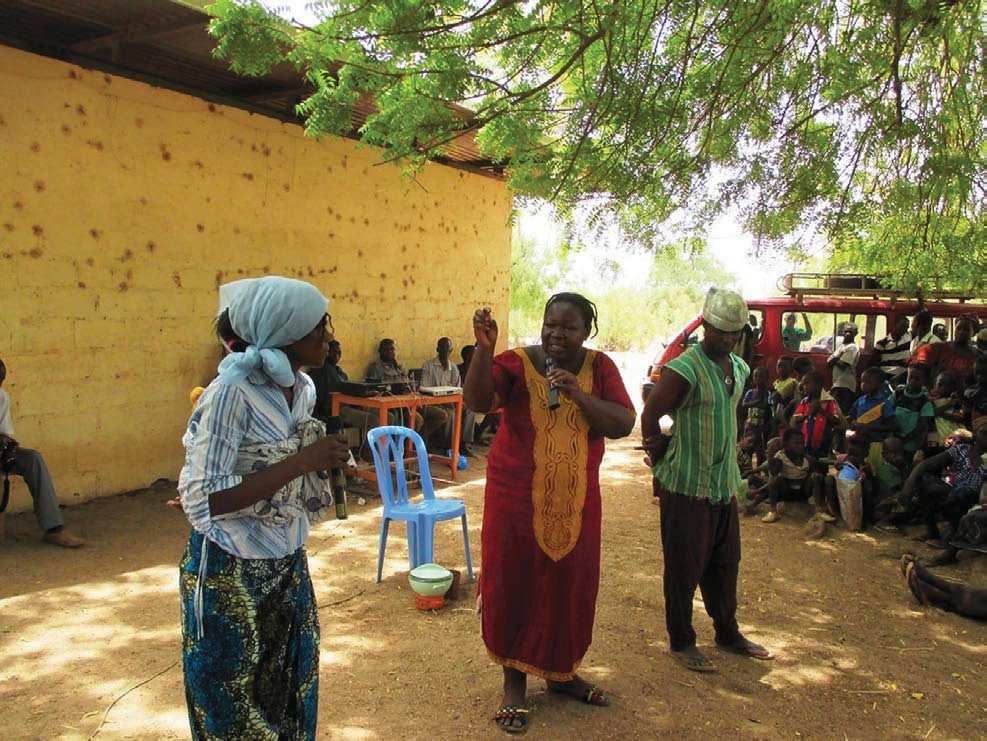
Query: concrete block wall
(124, 206)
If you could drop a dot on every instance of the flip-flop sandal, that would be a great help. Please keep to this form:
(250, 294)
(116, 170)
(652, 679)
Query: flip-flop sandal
(592, 696)
(747, 648)
(906, 560)
(887, 529)
(508, 715)
(913, 584)
(694, 661)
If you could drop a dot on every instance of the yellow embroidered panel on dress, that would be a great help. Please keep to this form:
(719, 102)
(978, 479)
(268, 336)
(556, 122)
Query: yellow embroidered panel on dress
(561, 453)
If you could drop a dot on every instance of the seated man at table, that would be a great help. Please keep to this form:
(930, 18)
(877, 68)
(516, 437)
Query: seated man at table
(329, 379)
(387, 369)
(441, 371)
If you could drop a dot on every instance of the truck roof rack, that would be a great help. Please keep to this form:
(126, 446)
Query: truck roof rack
(799, 285)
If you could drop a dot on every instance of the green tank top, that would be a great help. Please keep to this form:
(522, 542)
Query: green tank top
(701, 460)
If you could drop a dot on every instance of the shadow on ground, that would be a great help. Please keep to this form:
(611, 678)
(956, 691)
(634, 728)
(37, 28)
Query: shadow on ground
(856, 657)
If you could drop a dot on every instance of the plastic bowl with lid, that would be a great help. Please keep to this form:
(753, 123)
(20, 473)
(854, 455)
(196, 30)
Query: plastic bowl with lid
(430, 580)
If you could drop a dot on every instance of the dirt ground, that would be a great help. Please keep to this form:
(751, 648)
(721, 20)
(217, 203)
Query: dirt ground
(856, 657)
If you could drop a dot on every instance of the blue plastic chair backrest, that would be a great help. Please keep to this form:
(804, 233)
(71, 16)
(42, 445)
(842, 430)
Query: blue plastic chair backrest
(388, 445)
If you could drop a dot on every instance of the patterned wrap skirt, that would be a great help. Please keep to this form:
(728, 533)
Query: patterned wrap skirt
(252, 671)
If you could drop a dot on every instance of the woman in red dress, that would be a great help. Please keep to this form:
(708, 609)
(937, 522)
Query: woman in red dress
(541, 517)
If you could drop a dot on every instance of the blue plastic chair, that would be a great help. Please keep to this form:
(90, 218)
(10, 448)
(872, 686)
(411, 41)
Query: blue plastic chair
(388, 444)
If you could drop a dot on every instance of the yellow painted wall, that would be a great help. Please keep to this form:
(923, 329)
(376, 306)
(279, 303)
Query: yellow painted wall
(123, 207)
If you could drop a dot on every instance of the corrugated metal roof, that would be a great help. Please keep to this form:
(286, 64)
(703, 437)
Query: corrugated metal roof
(166, 43)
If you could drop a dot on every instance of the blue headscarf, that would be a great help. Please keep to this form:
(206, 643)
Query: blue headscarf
(269, 313)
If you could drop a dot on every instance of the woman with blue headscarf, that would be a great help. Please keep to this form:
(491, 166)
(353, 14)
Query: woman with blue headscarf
(250, 488)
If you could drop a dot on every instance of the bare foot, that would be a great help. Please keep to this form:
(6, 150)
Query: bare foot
(582, 690)
(63, 539)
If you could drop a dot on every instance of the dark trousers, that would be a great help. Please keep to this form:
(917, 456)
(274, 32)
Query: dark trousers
(701, 546)
(29, 465)
(938, 500)
(950, 595)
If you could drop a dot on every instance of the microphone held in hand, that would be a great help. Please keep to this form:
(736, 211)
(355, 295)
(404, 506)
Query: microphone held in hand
(553, 390)
(334, 425)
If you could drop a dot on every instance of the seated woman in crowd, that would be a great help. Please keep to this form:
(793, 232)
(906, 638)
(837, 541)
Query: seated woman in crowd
(947, 485)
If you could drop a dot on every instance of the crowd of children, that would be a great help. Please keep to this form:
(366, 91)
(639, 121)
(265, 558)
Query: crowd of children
(888, 456)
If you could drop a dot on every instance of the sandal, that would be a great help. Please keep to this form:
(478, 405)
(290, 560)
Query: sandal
(512, 719)
(744, 647)
(938, 543)
(694, 661)
(593, 695)
(887, 528)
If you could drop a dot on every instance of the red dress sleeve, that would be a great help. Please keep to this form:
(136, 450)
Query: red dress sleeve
(610, 384)
(506, 370)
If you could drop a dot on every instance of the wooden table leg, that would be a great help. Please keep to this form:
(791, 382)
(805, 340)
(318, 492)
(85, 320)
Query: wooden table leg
(409, 447)
(456, 438)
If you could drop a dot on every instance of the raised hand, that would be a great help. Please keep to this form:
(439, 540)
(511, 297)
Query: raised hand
(485, 329)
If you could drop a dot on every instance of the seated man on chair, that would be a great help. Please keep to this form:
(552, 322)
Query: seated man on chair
(387, 369)
(29, 465)
(327, 379)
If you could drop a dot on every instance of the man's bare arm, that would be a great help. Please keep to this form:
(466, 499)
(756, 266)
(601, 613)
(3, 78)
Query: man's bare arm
(666, 396)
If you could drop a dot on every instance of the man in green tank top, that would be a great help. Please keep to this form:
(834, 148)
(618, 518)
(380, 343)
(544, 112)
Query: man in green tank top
(697, 476)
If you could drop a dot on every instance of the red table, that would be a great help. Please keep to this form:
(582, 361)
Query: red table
(384, 404)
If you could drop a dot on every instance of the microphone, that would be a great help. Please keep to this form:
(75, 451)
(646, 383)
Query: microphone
(553, 390)
(336, 476)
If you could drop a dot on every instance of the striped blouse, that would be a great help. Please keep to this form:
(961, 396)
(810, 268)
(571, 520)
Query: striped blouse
(227, 418)
(701, 460)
